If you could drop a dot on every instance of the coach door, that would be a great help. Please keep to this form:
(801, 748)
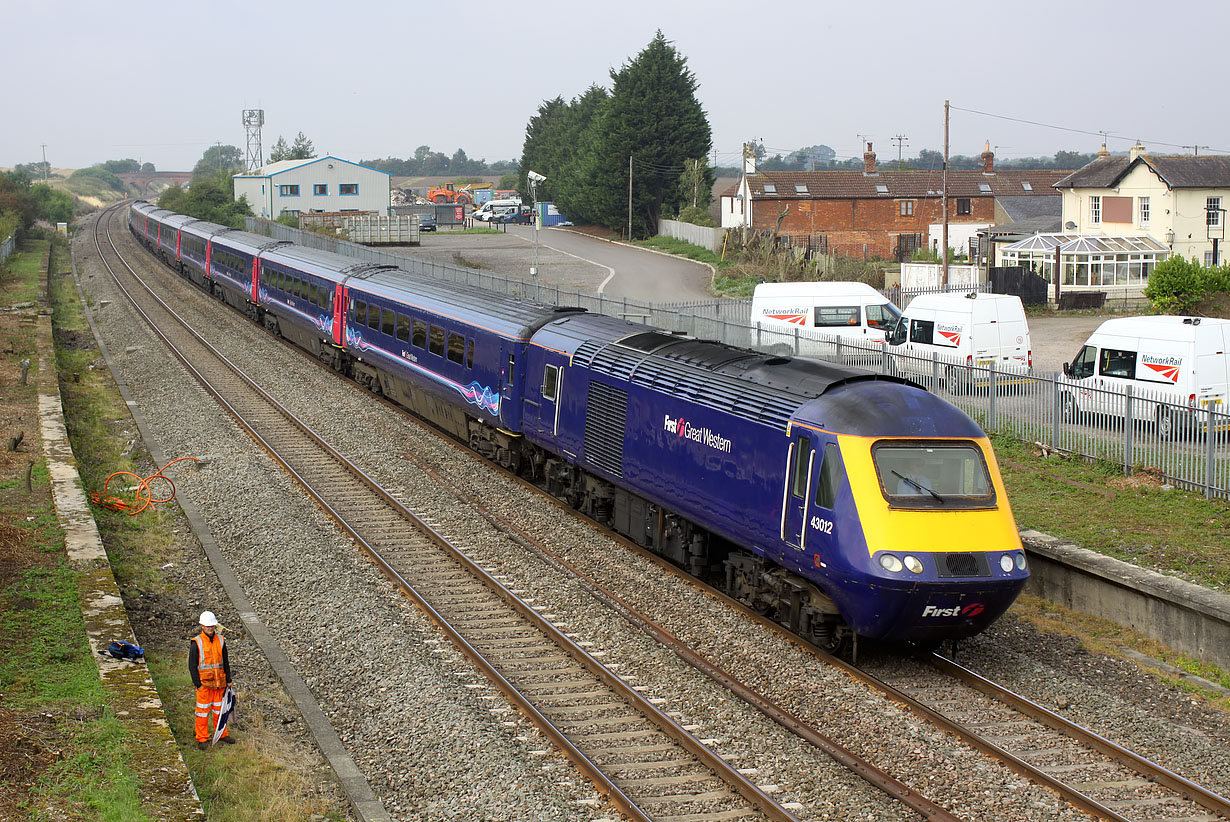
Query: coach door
(799, 475)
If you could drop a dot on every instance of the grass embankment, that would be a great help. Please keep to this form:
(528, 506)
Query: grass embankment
(62, 752)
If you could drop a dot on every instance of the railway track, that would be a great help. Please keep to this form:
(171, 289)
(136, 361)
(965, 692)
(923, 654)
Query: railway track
(1089, 771)
(648, 765)
(1081, 769)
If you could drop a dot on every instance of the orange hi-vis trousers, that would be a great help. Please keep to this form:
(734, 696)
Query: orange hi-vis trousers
(208, 701)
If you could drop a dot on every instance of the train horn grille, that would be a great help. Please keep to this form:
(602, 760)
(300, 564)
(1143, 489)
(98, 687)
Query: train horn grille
(963, 565)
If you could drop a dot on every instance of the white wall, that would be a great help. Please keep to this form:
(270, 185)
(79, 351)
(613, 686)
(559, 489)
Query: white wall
(374, 188)
(959, 235)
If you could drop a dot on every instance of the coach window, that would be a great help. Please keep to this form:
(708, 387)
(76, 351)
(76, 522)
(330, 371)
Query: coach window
(322, 296)
(833, 316)
(420, 334)
(512, 368)
(830, 476)
(470, 353)
(456, 348)
(437, 341)
(359, 315)
(403, 328)
(1117, 364)
(312, 292)
(802, 452)
(373, 317)
(922, 331)
(550, 382)
(389, 324)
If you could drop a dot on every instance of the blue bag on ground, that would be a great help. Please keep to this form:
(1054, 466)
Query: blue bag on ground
(124, 650)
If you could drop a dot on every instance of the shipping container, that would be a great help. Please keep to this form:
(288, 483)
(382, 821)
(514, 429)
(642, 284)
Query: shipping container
(377, 230)
(550, 215)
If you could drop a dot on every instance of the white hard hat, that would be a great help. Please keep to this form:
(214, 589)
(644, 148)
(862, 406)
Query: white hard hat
(208, 618)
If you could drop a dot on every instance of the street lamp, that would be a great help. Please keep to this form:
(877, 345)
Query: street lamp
(534, 179)
(1215, 227)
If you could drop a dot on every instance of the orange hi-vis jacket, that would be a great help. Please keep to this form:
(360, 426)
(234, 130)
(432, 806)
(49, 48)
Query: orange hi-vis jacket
(209, 659)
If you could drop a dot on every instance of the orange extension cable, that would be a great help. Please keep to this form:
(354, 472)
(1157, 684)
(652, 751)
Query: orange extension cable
(145, 494)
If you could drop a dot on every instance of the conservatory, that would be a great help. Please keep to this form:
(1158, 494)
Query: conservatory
(1088, 261)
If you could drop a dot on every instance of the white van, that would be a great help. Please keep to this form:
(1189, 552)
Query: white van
(491, 208)
(978, 330)
(841, 309)
(1177, 367)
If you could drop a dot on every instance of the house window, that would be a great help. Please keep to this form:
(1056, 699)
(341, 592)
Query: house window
(800, 188)
(1144, 211)
(907, 208)
(1095, 210)
(963, 206)
(1027, 186)
(1208, 259)
(985, 188)
(288, 191)
(1212, 212)
(348, 189)
(320, 189)
(881, 188)
(770, 188)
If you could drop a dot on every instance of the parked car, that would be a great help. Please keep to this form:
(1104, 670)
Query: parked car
(427, 222)
(516, 216)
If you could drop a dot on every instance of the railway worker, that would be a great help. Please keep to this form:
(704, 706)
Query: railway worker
(210, 668)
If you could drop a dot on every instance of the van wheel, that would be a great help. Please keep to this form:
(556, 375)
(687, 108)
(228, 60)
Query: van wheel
(956, 379)
(1068, 409)
(1167, 425)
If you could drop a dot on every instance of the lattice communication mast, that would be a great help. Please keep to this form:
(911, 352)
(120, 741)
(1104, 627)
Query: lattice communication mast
(253, 119)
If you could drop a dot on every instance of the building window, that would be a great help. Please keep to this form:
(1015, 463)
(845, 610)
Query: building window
(320, 189)
(907, 208)
(1144, 211)
(963, 206)
(348, 189)
(770, 188)
(1208, 259)
(288, 191)
(1095, 210)
(800, 188)
(1212, 212)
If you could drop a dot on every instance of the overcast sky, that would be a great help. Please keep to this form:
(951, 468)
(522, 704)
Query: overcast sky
(365, 80)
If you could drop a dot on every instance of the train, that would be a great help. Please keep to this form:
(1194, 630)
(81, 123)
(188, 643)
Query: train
(840, 502)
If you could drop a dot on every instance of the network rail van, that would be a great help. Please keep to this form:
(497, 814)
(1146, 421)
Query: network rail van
(1178, 369)
(841, 309)
(963, 329)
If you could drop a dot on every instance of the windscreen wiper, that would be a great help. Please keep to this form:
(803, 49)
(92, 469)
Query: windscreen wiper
(919, 487)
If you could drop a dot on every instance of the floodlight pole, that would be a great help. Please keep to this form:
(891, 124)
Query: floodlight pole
(534, 200)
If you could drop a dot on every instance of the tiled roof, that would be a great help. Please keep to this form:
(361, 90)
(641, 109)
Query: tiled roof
(899, 184)
(1176, 171)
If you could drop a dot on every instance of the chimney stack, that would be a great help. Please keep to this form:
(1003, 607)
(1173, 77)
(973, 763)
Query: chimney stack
(988, 159)
(1103, 153)
(1135, 151)
(869, 161)
(749, 159)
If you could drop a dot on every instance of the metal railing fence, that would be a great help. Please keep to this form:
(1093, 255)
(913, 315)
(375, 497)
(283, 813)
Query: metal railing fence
(1190, 447)
(6, 247)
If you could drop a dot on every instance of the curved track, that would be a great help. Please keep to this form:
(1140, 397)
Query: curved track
(647, 765)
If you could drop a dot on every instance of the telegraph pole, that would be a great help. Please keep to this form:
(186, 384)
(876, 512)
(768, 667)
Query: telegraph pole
(899, 139)
(629, 198)
(44, 162)
(944, 267)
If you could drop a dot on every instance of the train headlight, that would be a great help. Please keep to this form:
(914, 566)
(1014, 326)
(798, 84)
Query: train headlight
(913, 564)
(1020, 562)
(890, 563)
(1006, 563)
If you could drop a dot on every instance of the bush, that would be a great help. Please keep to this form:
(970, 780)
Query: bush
(696, 216)
(101, 174)
(1176, 285)
(287, 219)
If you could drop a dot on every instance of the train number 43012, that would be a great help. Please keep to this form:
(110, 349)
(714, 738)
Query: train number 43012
(824, 526)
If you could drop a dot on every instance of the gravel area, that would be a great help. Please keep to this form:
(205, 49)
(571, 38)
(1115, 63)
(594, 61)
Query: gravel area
(431, 748)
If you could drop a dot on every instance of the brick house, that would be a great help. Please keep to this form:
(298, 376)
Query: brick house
(880, 213)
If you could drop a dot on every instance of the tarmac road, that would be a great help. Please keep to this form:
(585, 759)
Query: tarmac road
(1057, 339)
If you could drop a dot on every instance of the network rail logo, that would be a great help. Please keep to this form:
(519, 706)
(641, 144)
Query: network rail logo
(683, 429)
(1165, 367)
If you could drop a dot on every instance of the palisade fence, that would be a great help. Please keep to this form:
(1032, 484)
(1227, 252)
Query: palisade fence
(1189, 446)
(703, 236)
(6, 247)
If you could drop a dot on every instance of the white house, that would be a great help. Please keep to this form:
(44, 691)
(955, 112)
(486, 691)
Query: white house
(1178, 201)
(319, 184)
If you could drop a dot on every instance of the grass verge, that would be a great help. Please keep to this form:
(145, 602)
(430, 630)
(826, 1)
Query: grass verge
(682, 248)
